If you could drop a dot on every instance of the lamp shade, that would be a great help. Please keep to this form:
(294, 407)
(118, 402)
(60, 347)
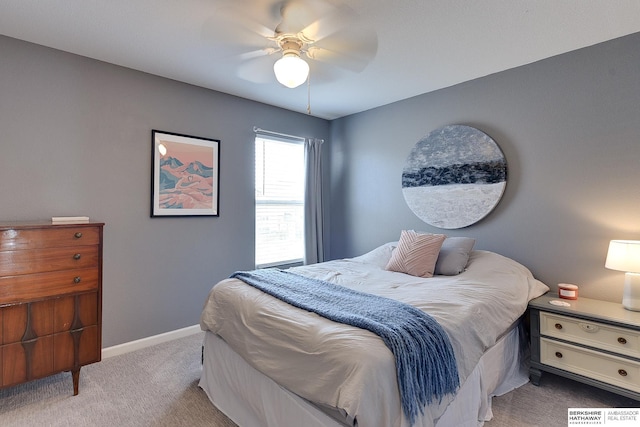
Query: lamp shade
(291, 70)
(624, 255)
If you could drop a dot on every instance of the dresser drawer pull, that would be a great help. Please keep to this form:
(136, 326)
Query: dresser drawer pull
(558, 355)
(77, 235)
(77, 279)
(622, 372)
(76, 256)
(588, 327)
(622, 340)
(558, 326)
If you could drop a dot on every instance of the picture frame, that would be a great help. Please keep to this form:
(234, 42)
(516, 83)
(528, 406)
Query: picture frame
(185, 175)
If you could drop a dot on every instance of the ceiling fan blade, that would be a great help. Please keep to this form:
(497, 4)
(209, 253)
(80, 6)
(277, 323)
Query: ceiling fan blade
(352, 50)
(332, 20)
(256, 53)
(258, 70)
(337, 59)
(253, 19)
(297, 15)
(232, 31)
(320, 73)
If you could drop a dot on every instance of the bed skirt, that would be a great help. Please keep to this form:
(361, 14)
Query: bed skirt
(251, 399)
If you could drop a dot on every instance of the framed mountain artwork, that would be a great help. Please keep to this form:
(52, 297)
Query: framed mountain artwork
(186, 175)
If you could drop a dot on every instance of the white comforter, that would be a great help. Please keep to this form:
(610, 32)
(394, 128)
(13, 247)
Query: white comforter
(349, 369)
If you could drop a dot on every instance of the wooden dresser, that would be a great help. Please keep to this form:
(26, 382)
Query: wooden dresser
(50, 300)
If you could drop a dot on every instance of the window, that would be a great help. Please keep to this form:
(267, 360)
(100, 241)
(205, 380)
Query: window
(279, 171)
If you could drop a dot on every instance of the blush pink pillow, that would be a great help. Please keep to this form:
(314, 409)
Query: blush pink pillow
(416, 253)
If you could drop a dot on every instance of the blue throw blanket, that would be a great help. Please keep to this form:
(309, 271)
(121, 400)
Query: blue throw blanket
(425, 364)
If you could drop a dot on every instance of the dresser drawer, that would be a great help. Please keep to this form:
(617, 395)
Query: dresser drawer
(15, 289)
(39, 357)
(27, 321)
(40, 260)
(87, 349)
(594, 334)
(26, 361)
(24, 322)
(52, 237)
(609, 369)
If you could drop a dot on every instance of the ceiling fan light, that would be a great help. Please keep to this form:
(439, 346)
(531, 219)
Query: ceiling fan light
(291, 70)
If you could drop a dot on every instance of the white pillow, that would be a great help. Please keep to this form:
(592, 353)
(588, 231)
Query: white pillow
(379, 256)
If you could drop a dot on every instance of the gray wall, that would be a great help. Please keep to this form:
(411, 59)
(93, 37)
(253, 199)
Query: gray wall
(570, 129)
(75, 138)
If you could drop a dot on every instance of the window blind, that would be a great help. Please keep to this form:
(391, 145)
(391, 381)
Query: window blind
(279, 201)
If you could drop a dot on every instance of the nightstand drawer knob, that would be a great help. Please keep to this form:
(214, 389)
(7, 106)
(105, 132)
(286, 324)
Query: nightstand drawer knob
(76, 256)
(622, 340)
(558, 326)
(622, 372)
(588, 327)
(77, 235)
(558, 355)
(77, 279)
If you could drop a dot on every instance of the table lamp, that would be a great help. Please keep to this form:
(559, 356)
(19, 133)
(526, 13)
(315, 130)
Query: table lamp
(624, 255)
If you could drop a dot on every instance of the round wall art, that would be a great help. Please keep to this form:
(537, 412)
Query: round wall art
(454, 177)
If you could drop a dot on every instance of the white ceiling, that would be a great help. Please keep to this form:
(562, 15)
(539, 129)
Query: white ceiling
(418, 45)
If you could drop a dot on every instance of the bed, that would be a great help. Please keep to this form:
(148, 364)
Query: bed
(268, 363)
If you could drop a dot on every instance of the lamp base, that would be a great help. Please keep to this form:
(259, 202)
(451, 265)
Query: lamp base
(631, 293)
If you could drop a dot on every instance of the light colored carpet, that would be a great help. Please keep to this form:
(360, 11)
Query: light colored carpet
(155, 386)
(546, 405)
(158, 386)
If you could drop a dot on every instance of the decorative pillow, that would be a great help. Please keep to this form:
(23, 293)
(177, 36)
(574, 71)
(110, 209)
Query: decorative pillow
(416, 253)
(454, 255)
(379, 256)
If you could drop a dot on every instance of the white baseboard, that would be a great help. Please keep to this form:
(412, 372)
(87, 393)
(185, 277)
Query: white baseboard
(127, 347)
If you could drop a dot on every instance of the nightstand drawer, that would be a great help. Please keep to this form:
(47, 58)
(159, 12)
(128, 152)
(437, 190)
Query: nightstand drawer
(609, 369)
(593, 334)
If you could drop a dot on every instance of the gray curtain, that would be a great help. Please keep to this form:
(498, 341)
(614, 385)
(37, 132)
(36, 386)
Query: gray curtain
(313, 223)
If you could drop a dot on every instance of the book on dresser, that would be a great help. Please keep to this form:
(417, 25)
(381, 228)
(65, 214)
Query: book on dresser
(50, 299)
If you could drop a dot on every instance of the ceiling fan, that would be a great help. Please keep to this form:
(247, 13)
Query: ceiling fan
(292, 39)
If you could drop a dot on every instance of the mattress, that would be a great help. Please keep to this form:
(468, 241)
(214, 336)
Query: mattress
(349, 372)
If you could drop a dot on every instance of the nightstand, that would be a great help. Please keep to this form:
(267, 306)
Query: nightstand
(591, 341)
